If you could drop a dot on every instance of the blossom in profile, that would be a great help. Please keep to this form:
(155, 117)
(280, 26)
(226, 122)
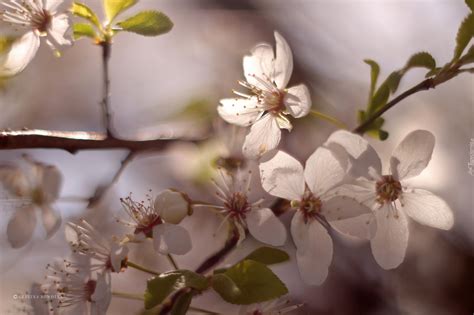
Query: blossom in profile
(40, 19)
(310, 191)
(31, 185)
(75, 290)
(107, 255)
(389, 195)
(238, 206)
(158, 219)
(274, 307)
(269, 102)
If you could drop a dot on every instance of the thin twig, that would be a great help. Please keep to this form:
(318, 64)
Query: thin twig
(74, 141)
(102, 191)
(106, 52)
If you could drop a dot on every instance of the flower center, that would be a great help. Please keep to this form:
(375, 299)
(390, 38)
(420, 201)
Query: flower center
(273, 101)
(89, 289)
(147, 225)
(41, 21)
(37, 196)
(237, 205)
(309, 205)
(388, 189)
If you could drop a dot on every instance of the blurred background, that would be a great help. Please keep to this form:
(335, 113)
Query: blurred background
(199, 62)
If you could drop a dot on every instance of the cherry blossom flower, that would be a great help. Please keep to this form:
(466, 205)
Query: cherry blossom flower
(310, 192)
(74, 290)
(266, 110)
(389, 196)
(84, 239)
(233, 190)
(159, 220)
(274, 307)
(40, 19)
(30, 186)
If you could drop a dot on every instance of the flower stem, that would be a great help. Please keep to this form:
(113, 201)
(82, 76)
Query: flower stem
(172, 261)
(106, 53)
(141, 268)
(328, 118)
(130, 296)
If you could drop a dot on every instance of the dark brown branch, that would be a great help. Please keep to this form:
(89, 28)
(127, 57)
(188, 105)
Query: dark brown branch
(73, 141)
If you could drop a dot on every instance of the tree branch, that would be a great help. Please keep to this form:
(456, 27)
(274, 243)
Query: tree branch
(106, 52)
(73, 141)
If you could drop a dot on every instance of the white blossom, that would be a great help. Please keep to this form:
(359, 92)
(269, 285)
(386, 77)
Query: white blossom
(40, 19)
(159, 220)
(107, 255)
(74, 290)
(274, 307)
(310, 192)
(233, 190)
(389, 195)
(266, 109)
(30, 186)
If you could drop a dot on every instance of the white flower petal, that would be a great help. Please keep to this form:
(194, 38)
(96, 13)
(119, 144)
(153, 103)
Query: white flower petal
(314, 261)
(102, 295)
(282, 176)
(428, 209)
(359, 154)
(258, 65)
(59, 26)
(14, 180)
(299, 231)
(391, 239)
(412, 155)
(51, 220)
(171, 239)
(21, 53)
(323, 171)
(264, 136)
(283, 65)
(118, 253)
(51, 183)
(172, 206)
(21, 227)
(298, 101)
(239, 111)
(71, 234)
(52, 5)
(266, 227)
(363, 226)
(362, 193)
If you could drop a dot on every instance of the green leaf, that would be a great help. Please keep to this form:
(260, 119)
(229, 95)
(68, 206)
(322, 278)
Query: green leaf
(393, 80)
(83, 11)
(159, 287)
(147, 23)
(421, 59)
(83, 30)
(470, 4)
(469, 56)
(182, 304)
(115, 7)
(268, 255)
(248, 282)
(374, 74)
(380, 98)
(464, 35)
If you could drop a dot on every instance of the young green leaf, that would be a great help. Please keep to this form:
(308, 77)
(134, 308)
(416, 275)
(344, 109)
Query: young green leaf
(115, 7)
(159, 287)
(464, 35)
(393, 80)
(147, 23)
(469, 56)
(268, 255)
(83, 11)
(380, 98)
(182, 304)
(83, 30)
(248, 282)
(470, 4)
(374, 74)
(421, 59)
